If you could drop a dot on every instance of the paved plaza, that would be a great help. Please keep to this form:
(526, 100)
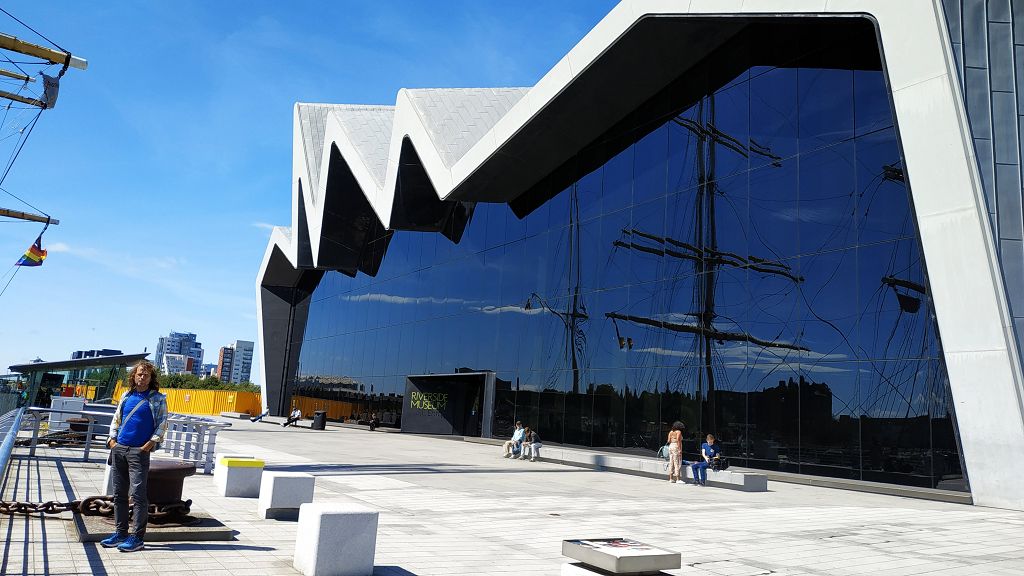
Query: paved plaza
(452, 507)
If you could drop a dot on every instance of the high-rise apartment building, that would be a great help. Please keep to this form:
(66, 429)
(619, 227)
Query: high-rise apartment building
(235, 361)
(177, 364)
(183, 343)
(224, 361)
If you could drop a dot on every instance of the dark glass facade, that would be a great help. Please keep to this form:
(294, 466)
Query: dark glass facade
(748, 264)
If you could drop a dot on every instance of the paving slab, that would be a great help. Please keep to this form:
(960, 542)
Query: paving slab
(451, 507)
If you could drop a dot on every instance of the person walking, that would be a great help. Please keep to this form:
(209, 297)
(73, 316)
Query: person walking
(138, 427)
(675, 450)
(708, 451)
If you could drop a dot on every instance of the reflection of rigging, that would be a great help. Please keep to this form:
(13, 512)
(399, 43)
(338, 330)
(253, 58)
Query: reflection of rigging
(575, 315)
(706, 257)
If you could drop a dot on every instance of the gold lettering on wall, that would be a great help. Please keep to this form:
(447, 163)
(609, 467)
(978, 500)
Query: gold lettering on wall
(428, 400)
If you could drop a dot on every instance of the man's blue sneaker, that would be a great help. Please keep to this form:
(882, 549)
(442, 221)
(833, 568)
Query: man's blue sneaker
(113, 540)
(131, 544)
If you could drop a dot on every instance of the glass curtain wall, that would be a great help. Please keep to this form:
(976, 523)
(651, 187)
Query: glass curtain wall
(748, 265)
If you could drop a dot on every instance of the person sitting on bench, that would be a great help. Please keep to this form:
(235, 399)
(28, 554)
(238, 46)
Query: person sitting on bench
(513, 446)
(708, 451)
(294, 417)
(531, 445)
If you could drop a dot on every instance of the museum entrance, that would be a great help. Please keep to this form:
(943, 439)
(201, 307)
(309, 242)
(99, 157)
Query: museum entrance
(449, 404)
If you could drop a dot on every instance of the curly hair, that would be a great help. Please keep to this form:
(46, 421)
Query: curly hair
(154, 383)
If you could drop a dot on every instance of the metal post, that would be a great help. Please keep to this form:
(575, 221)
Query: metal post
(211, 445)
(200, 432)
(189, 429)
(88, 441)
(38, 417)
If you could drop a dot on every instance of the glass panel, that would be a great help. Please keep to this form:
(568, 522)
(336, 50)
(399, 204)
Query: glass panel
(650, 166)
(749, 266)
(642, 412)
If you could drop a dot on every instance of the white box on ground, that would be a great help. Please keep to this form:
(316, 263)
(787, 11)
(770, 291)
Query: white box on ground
(335, 539)
(581, 569)
(220, 469)
(238, 477)
(281, 493)
(621, 555)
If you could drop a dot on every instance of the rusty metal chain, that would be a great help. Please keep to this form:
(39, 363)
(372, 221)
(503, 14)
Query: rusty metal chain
(93, 506)
(97, 506)
(50, 507)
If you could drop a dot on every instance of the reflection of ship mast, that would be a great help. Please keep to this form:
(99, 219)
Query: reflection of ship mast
(706, 256)
(575, 314)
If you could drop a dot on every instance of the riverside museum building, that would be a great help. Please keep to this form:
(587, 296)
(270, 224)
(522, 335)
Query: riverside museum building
(795, 224)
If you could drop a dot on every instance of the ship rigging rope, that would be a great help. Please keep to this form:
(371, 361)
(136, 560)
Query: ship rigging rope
(16, 269)
(14, 157)
(57, 46)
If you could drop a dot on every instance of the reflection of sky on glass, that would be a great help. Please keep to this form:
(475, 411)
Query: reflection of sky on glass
(799, 189)
(809, 223)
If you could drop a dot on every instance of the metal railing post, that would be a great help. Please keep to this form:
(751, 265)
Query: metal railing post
(88, 441)
(200, 444)
(175, 433)
(211, 446)
(38, 417)
(189, 429)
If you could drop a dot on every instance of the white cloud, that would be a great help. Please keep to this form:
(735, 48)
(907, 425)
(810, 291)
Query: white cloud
(263, 226)
(665, 352)
(504, 309)
(393, 299)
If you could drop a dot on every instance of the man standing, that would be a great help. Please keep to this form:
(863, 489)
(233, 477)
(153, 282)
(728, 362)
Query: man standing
(512, 446)
(138, 427)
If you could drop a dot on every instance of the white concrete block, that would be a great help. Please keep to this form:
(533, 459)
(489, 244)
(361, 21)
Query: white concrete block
(581, 569)
(238, 477)
(744, 481)
(335, 539)
(281, 493)
(621, 555)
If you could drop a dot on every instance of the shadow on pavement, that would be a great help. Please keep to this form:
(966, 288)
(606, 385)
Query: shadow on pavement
(391, 571)
(208, 546)
(395, 469)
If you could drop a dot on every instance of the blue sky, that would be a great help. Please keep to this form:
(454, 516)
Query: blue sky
(168, 159)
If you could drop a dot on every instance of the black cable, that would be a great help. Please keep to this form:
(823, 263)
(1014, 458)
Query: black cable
(34, 30)
(16, 65)
(15, 157)
(16, 270)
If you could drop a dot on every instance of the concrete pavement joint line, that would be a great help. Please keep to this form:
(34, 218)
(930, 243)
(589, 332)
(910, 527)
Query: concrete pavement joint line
(447, 509)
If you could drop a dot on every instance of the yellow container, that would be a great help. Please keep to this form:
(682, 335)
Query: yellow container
(205, 402)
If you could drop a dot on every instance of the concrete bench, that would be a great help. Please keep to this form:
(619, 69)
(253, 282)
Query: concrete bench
(238, 477)
(745, 481)
(281, 494)
(335, 539)
(616, 556)
(651, 467)
(238, 415)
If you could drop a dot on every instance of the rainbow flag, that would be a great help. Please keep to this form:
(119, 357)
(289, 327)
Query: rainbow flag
(35, 254)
